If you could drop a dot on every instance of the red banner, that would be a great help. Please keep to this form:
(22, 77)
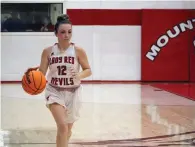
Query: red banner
(192, 50)
(165, 45)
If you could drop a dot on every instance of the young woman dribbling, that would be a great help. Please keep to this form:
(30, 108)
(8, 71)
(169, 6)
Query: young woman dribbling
(62, 91)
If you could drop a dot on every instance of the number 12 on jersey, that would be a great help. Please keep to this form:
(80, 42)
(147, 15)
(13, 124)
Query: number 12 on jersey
(62, 70)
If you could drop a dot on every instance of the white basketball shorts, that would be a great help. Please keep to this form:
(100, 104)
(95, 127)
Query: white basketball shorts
(69, 98)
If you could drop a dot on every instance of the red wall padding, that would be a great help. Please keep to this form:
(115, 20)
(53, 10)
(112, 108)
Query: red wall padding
(169, 61)
(192, 49)
(105, 16)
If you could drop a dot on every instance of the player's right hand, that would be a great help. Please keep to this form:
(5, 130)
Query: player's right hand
(31, 69)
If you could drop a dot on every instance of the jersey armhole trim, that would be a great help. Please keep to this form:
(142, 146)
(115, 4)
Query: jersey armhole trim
(74, 47)
(50, 52)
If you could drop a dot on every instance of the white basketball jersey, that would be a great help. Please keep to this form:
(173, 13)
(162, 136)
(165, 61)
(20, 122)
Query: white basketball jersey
(60, 66)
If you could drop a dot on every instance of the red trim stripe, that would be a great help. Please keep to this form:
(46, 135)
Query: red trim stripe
(86, 82)
(105, 16)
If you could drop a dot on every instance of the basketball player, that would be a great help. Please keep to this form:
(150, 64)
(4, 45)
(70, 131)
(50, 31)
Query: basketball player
(62, 92)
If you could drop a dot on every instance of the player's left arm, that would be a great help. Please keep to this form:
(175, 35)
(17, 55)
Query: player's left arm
(83, 61)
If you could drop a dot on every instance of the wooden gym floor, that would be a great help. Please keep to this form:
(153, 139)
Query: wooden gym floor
(112, 115)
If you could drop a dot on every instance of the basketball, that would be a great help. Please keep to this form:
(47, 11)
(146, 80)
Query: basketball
(34, 82)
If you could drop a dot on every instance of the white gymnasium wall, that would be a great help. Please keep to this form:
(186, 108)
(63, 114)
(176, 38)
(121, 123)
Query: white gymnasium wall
(119, 50)
(111, 51)
(128, 4)
(20, 51)
(114, 52)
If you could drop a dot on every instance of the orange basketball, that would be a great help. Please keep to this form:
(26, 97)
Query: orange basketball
(34, 82)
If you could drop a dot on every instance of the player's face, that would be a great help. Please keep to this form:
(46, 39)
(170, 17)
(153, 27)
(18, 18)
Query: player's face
(64, 32)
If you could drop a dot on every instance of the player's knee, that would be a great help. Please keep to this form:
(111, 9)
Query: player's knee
(62, 128)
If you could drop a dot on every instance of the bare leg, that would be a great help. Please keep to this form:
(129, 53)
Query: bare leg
(59, 115)
(70, 130)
